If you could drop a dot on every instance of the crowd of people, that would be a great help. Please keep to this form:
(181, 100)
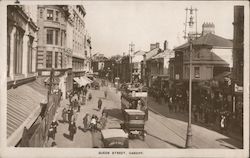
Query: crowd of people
(71, 111)
(208, 107)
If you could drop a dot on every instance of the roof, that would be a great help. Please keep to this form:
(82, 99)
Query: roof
(139, 52)
(111, 133)
(152, 53)
(23, 107)
(209, 40)
(163, 54)
(134, 111)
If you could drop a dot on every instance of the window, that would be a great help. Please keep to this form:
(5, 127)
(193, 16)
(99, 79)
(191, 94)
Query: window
(49, 36)
(30, 54)
(61, 60)
(8, 53)
(56, 59)
(197, 72)
(41, 13)
(49, 59)
(18, 51)
(57, 37)
(49, 14)
(57, 15)
(62, 38)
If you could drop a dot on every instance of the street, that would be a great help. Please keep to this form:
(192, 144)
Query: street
(162, 132)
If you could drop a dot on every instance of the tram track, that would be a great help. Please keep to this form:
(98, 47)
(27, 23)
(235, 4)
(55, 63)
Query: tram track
(116, 100)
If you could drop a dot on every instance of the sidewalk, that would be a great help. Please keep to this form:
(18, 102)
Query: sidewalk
(162, 109)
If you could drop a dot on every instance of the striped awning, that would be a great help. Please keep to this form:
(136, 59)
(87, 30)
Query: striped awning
(23, 108)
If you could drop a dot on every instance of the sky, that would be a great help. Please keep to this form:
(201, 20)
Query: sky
(114, 25)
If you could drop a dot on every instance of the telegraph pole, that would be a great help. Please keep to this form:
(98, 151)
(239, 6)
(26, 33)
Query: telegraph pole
(131, 50)
(191, 36)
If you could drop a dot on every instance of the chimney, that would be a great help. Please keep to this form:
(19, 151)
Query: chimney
(165, 45)
(157, 45)
(152, 46)
(208, 28)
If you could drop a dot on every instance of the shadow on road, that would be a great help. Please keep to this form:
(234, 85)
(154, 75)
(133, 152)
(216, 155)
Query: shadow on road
(116, 113)
(67, 136)
(229, 141)
(173, 144)
(82, 129)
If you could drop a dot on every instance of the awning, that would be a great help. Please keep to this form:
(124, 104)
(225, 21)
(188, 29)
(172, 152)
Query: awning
(82, 81)
(23, 108)
(87, 79)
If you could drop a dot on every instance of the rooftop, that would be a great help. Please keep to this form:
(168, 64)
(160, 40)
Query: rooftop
(209, 40)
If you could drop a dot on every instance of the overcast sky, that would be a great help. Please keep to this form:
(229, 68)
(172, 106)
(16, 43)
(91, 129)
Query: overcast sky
(113, 25)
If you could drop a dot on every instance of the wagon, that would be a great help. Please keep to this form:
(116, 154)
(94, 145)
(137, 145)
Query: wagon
(114, 138)
(134, 122)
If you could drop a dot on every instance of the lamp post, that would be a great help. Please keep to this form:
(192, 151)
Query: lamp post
(191, 36)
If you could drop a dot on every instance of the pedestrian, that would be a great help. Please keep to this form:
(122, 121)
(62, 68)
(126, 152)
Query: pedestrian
(51, 133)
(93, 123)
(53, 144)
(72, 130)
(70, 113)
(99, 104)
(90, 96)
(77, 105)
(54, 125)
(86, 121)
(170, 104)
(105, 112)
(64, 115)
(75, 115)
(139, 105)
(105, 93)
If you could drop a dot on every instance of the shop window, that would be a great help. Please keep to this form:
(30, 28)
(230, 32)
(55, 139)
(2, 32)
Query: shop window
(49, 14)
(18, 51)
(49, 59)
(197, 72)
(49, 36)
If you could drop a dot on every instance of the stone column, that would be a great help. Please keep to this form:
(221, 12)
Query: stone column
(12, 45)
(25, 52)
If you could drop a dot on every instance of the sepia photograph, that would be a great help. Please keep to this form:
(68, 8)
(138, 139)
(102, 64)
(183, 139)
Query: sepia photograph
(126, 74)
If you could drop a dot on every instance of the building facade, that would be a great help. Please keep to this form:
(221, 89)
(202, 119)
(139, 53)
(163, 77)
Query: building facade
(211, 56)
(24, 92)
(21, 43)
(81, 42)
(53, 48)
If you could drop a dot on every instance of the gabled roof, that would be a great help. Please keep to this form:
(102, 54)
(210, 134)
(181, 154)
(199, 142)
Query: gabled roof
(163, 54)
(152, 53)
(139, 52)
(209, 40)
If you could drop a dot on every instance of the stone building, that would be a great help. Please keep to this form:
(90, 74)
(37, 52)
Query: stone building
(53, 52)
(211, 56)
(81, 43)
(25, 91)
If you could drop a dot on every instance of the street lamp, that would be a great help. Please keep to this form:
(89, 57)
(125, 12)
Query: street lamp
(190, 37)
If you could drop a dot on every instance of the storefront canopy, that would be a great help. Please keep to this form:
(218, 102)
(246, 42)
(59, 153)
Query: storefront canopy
(23, 108)
(82, 81)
